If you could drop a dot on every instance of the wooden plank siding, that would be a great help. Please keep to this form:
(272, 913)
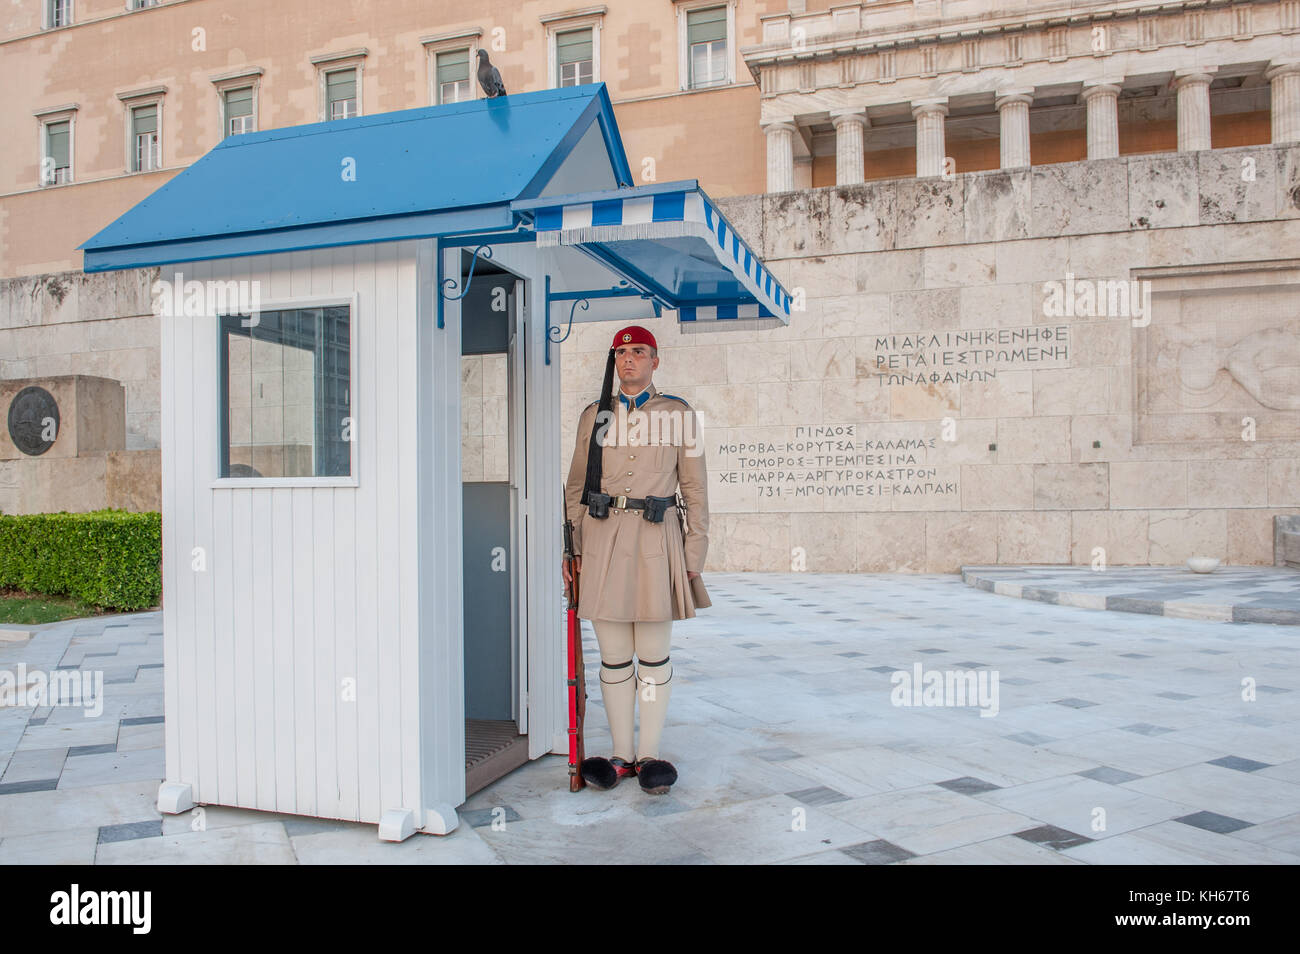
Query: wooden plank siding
(307, 590)
(315, 664)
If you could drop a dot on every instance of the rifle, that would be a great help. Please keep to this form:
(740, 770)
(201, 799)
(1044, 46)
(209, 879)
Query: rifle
(577, 670)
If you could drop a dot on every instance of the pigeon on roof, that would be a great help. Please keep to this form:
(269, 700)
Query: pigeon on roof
(489, 77)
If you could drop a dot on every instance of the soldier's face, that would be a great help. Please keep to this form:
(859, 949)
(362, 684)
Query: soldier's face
(635, 366)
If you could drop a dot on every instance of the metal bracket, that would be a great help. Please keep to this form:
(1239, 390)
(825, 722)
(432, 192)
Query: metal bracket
(464, 241)
(623, 289)
(552, 330)
(450, 283)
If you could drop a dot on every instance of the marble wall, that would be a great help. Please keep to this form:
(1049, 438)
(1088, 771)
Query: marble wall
(484, 418)
(87, 467)
(1062, 364)
(974, 377)
(98, 324)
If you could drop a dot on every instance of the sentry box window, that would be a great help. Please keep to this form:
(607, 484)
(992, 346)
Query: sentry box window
(286, 393)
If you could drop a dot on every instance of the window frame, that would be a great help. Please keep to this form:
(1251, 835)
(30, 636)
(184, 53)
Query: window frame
(451, 43)
(685, 7)
(559, 67)
(356, 92)
(592, 18)
(44, 118)
(353, 303)
(131, 102)
(470, 74)
(47, 15)
(229, 82)
(335, 63)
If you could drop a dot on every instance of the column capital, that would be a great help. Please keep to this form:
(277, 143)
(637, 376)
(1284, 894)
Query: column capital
(1006, 97)
(850, 116)
(1281, 68)
(1100, 89)
(934, 104)
(1193, 76)
(785, 124)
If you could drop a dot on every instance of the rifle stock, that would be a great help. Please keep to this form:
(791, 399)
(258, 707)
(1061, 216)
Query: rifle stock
(577, 682)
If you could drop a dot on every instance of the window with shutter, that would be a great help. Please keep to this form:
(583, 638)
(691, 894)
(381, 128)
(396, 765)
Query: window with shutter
(706, 46)
(239, 111)
(58, 13)
(341, 94)
(573, 57)
(453, 76)
(57, 150)
(146, 152)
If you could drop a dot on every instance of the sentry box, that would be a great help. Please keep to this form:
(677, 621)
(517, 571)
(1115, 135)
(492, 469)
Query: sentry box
(361, 463)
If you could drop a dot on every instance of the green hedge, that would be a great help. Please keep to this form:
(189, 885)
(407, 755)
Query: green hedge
(111, 558)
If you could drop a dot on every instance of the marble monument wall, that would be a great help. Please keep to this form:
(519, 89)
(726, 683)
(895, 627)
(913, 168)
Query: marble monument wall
(1072, 363)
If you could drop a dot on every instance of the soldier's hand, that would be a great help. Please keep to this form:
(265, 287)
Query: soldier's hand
(577, 565)
(691, 574)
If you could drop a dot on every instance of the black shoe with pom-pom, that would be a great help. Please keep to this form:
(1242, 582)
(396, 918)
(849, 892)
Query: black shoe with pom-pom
(655, 775)
(603, 773)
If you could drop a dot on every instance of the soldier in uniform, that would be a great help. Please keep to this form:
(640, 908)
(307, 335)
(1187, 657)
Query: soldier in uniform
(638, 573)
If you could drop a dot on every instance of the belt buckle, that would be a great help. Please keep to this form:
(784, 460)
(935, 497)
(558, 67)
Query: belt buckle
(620, 502)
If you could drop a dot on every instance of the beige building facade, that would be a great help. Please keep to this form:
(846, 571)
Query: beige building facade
(1045, 255)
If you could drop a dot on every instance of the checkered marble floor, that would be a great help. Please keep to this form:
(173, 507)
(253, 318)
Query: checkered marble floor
(1117, 738)
(1242, 594)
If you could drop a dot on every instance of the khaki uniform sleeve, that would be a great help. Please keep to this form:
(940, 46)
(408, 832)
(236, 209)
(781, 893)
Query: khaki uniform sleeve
(578, 477)
(693, 476)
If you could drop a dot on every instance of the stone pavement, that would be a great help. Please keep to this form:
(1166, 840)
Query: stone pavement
(1118, 738)
(1240, 594)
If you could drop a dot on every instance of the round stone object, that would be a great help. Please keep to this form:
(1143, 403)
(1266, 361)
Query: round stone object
(33, 420)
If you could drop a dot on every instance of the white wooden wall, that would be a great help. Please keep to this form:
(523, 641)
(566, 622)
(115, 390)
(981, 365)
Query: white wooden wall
(305, 587)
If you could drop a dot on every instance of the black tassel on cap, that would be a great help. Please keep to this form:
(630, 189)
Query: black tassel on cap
(595, 453)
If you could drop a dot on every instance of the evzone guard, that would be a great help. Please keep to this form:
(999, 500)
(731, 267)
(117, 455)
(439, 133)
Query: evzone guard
(638, 561)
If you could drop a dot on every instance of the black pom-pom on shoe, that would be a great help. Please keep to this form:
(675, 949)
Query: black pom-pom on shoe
(603, 773)
(655, 775)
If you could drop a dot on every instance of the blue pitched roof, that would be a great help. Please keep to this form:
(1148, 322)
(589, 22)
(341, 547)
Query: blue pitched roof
(418, 172)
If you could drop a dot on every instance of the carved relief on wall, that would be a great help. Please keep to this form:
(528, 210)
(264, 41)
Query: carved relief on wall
(1220, 355)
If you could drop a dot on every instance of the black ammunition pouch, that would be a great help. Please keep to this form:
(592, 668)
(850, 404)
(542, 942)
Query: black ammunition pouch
(656, 507)
(598, 505)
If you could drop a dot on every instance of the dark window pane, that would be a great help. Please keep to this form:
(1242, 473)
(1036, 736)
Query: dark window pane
(285, 394)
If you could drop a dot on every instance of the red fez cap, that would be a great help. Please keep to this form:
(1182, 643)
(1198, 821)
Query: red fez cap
(634, 334)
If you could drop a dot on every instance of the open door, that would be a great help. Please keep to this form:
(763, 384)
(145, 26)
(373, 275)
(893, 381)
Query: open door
(493, 488)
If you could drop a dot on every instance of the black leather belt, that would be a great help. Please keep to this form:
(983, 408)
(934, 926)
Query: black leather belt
(655, 507)
(631, 503)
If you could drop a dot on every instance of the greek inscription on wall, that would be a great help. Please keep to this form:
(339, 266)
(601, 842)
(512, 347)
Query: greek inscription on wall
(951, 357)
(837, 461)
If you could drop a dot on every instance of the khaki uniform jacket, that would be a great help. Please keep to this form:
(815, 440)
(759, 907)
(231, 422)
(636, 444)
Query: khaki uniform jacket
(633, 569)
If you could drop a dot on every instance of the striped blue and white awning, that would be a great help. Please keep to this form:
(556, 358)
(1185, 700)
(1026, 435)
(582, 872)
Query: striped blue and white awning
(672, 243)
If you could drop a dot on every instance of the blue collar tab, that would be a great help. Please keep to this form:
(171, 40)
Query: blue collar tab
(634, 402)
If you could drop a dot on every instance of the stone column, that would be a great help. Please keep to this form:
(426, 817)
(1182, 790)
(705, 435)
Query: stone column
(1284, 80)
(1013, 108)
(803, 172)
(930, 148)
(1103, 120)
(850, 138)
(1193, 88)
(780, 156)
